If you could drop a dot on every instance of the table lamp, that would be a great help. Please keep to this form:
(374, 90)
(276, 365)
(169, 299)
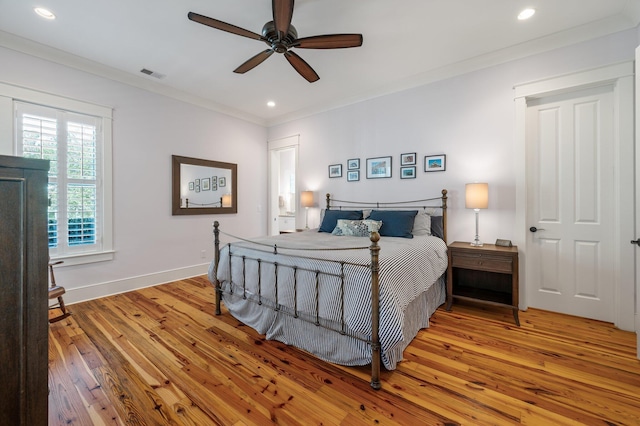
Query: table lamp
(476, 198)
(306, 200)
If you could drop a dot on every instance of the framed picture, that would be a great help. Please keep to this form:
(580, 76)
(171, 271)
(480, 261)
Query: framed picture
(197, 187)
(335, 170)
(192, 186)
(353, 164)
(379, 167)
(197, 182)
(408, 172)
(222, 181)
(353, 175)
(205, 184)
(408, 159)
(435, 163)
(214, 180)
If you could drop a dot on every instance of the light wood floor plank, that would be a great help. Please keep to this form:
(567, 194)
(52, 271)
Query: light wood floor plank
(159, 356)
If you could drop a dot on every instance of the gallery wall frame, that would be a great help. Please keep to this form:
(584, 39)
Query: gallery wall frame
(408, 159)
(353, 164)
(408, 172)
(435, 163)
(353, 175)
(379, 167)
(335, 171)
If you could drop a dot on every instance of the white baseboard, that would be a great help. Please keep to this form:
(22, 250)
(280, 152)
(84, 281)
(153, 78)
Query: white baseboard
(94, 291)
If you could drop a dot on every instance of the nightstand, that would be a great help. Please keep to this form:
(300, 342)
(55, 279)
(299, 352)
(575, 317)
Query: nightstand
(487, 274)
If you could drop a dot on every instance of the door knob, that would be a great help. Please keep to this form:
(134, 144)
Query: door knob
(636, 242)
(534, 229)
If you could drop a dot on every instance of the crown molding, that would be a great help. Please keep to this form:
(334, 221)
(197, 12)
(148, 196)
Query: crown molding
(32, 48)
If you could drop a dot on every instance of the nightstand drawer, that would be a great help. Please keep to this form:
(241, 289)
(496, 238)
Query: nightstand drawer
(483, 262)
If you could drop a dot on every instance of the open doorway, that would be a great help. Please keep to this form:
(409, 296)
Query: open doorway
(283, 193)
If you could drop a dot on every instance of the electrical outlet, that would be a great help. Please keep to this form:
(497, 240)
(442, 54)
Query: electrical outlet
(203, 254)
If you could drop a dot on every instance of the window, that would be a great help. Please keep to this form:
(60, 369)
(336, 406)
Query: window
(76, 138)
(70, 141)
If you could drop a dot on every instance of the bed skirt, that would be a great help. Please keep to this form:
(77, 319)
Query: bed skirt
(330, 345)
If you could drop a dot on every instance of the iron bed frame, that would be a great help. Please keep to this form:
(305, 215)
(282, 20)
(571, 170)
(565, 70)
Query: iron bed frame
(374, 248)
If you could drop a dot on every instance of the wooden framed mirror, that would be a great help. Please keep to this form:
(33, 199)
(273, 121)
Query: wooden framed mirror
(203, 186)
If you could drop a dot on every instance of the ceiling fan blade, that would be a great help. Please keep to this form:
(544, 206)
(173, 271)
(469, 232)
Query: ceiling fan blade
(303, 68)
(330, 41)
(253, 62)
(282, 14)
(219, 25)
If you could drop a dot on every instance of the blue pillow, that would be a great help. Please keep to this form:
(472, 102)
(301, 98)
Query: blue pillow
(330, 219)
(395, 223)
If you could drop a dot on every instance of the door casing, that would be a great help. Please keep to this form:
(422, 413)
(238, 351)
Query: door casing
(290, 142)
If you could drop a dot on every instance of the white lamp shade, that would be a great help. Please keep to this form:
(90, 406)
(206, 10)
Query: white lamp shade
(306, 198)
(477, 195)
(226, 200)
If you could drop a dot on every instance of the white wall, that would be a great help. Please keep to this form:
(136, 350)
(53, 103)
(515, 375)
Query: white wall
(470, 118)
(151, 245)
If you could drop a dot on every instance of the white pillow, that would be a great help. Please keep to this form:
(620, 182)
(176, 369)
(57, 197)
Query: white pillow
(422, 223)
(356, 228)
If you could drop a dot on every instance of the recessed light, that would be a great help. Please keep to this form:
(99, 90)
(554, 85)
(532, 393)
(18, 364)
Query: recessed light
(45, 13)
(271, 104)
(526, 14)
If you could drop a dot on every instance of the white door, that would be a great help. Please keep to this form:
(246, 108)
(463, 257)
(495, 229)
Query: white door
(570, 203)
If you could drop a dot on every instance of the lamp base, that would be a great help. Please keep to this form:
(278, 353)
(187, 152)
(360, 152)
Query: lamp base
(476, 243)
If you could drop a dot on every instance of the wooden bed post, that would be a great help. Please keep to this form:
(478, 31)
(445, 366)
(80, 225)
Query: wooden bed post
(444, 215)
(375, 311)
(216, 259)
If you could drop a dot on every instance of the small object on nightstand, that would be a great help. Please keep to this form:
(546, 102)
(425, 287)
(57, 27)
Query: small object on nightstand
(503, 243)
(487, 274)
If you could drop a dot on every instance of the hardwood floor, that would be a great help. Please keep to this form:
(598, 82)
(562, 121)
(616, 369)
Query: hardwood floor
(159, 356)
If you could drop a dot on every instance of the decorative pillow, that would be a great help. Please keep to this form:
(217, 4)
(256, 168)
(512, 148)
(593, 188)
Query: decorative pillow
(422, 223)
(356, 228)
(395, 223)
(330, 219)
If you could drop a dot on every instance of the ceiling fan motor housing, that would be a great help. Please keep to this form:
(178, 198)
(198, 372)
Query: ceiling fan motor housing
(270, 33)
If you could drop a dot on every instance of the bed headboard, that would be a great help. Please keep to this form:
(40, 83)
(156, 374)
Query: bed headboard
(439, 204)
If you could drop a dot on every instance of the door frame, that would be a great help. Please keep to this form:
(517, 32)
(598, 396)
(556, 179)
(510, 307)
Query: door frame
(620, 77)
(289, 142)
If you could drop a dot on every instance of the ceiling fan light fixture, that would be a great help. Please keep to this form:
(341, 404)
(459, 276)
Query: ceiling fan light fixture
(526, 14)
(45, 13)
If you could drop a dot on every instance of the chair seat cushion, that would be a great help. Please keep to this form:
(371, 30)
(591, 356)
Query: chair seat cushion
(56, 291)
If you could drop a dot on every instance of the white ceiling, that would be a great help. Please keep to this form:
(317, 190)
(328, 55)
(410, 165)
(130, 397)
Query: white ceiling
(406, 43)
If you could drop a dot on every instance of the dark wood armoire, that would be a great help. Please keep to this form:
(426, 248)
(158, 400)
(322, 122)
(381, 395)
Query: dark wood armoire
(24, 255)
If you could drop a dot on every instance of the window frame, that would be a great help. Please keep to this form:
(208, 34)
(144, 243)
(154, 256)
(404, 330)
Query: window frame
(9, 96)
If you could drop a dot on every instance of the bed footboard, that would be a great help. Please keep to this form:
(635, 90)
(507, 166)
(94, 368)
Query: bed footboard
(373, 341)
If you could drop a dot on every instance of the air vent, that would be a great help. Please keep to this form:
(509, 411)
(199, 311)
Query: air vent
(152, 73)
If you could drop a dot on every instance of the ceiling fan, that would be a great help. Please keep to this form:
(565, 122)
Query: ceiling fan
(281, 37)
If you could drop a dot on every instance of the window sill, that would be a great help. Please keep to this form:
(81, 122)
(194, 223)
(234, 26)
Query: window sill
(82, 259)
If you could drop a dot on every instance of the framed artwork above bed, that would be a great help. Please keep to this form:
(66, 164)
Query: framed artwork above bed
(335, 170)
(435, 163)
(379, 167)
(353, 175)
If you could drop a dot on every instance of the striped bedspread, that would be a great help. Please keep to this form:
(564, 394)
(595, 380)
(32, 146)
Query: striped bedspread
(408, 269)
